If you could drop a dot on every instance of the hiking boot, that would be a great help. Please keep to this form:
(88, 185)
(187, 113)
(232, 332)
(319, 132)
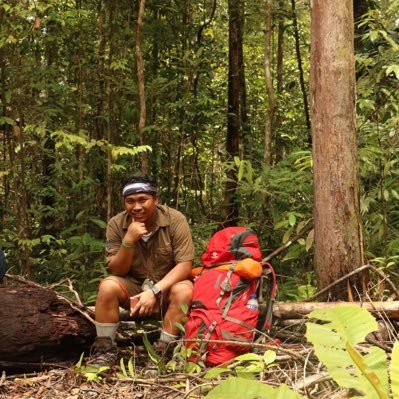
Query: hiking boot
(103, 353)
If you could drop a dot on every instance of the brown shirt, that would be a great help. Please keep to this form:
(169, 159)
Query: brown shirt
(170, 244)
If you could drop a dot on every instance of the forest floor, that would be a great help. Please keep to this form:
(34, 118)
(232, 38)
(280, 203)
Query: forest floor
(295, 365)
(148, 383)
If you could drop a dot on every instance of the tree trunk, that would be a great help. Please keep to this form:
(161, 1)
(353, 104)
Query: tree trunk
(234, 109)
(36, 326)
(338, 245)
(141, 86)
(300, 68)
(267, 153)
(110, 124)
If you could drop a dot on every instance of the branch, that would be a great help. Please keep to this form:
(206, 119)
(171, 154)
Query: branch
(305, 230)
(349, 275)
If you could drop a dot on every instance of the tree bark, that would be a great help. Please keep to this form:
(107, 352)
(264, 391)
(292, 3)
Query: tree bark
(300, 68)
(110, 124)
(338, 243)
(141, 85)
(234, 109)
(267, 153)
(36, 326)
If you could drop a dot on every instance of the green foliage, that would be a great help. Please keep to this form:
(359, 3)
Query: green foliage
(247, 366)
(90, 373)
(128, 372)
(239, 388)
(394, 371)
(335, 343)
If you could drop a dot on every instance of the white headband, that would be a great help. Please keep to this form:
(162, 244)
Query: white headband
(134, 188)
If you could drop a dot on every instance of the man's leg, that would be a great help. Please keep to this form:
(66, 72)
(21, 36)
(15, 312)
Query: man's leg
(180, 294)
(112, 292)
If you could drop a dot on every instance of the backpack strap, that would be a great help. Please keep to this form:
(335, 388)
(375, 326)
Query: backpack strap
(225, 285)
(232, 337)
(208, 334)
(238, 321)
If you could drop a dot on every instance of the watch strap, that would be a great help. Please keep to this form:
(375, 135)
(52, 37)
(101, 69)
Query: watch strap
(156, 291)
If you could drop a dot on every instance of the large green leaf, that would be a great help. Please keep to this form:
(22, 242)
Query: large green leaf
(350, 322)
(394, 371)
(240, 388)
(334, 343)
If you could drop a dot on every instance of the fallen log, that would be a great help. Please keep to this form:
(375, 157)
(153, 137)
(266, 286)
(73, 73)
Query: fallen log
(38, 326)
(298, 310)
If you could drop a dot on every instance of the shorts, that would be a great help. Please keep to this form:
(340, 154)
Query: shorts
(131, 287)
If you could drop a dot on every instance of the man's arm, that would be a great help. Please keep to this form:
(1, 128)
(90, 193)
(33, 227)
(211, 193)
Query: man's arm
(119, 264)
(147, 301)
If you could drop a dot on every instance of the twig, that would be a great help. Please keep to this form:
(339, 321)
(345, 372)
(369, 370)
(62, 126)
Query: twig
(349, 275)
(306, 229)
(78, 307)
(72, 289)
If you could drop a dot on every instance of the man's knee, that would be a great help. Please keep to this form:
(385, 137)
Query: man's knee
(111, 288)
(181, 293)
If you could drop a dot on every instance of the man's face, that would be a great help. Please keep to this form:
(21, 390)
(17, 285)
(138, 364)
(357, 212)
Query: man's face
(141, 206)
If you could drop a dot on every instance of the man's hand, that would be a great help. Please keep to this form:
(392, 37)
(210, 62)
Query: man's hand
(143, 304)
(135, 231)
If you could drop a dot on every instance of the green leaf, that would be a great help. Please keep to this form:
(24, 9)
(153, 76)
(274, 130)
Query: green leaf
(122, 366)
(248, 357)
(309, 240)
(269, 357)
(241, 388)
(292, 219)
(131, 368)
(374, 35)
(287, 235)
(334, 344)
(394, 69)
(99, 222)
(394, 371)
(350, 322)
(371, 383)
(151, 351)
(215, 372)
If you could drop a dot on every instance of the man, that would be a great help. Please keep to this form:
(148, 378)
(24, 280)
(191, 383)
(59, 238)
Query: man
(149, 254)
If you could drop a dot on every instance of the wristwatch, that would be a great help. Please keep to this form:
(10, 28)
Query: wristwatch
(156, 291)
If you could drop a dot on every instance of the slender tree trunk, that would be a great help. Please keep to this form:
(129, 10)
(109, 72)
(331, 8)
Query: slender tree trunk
(18, 168)
(300, 69)
(141, 86)
(338, 244)
(47, 222)
(244, 122)
(5, 130)
(267, 152)
(280, 46)
(110, 124)
(80, 112)
(234, 109)
(278, 118)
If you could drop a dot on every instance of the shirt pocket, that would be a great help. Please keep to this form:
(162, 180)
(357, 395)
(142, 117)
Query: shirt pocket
(164, 259)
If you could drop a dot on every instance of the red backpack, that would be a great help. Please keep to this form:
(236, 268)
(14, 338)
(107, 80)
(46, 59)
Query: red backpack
(230, 245)
(219, 309)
